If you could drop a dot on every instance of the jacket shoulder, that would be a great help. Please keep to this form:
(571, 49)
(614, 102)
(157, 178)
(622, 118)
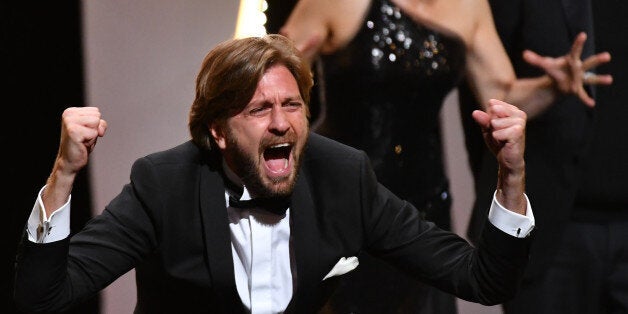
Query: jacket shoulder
(182, 153)
(325, 157)
(320, 147)
(181, 162)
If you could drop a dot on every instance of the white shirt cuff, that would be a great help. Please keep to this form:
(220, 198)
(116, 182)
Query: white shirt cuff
(42, 229)
(512, 223)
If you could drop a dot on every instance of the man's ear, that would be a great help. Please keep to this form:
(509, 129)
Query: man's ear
(218, 136)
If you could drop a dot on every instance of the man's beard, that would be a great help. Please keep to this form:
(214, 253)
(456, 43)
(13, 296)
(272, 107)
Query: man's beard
(249, 170)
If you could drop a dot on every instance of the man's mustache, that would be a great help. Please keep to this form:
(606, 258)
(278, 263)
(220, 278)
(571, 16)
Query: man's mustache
(273, 139)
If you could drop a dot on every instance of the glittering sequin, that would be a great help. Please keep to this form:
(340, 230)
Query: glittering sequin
(392, 33)
(383, 93)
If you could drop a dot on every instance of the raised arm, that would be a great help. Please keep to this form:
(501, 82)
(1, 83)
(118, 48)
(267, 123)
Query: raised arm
(80, 129)
(503, 128)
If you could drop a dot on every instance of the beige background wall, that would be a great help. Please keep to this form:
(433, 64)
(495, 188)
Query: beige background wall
(142, 57)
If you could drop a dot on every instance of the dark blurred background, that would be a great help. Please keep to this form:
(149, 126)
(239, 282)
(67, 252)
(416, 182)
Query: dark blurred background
(43, 74)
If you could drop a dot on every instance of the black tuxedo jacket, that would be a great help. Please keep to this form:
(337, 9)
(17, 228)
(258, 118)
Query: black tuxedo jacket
(555, 140)
(170, 224)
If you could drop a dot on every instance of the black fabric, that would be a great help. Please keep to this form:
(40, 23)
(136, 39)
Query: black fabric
(170, 223)
(602, 188)
(588, 274)
(402, 71)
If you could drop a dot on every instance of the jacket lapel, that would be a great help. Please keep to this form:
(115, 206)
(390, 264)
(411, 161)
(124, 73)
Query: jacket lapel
(217, 238)
(305, 242)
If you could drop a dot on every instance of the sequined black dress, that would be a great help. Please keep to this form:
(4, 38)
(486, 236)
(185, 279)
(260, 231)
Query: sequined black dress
(383, 94)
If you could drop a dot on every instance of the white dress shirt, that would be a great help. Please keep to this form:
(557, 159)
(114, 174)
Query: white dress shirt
(260, 246)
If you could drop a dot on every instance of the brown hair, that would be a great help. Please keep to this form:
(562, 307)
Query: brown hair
(229, 76)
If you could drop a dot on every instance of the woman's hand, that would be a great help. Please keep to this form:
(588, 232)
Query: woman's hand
(569, 73)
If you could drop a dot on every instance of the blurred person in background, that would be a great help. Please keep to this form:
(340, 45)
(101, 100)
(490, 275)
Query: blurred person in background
(575, 158)
(386, 67)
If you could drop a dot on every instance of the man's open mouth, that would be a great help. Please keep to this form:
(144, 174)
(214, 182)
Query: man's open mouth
(277, 158)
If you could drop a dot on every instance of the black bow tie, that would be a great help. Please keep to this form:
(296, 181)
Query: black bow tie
(275, 205)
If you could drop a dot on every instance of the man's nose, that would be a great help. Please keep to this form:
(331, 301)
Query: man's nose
(278, 120)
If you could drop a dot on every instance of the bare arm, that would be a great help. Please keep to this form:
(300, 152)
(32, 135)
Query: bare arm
(80, 128)
(308, 26)
(324, 26)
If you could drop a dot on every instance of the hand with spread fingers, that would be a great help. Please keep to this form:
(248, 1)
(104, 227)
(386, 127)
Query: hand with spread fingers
(569, 73)
(503, 126)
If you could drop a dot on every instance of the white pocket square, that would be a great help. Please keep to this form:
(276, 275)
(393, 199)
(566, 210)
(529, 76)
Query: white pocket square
(343, 266)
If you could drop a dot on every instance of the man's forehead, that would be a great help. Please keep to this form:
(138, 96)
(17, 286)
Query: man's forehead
(277, 83)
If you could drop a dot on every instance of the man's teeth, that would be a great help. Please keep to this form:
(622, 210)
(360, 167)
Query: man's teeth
(280, 145)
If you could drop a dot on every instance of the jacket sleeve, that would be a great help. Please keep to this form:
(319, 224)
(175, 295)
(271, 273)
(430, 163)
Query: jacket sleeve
(55, 276)
(488, 274)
